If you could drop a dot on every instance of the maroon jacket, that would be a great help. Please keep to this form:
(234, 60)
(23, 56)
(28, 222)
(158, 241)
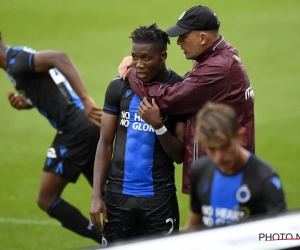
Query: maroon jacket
(217, 75)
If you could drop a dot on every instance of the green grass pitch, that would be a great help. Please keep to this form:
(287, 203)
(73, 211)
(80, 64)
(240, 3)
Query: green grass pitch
(95, 34)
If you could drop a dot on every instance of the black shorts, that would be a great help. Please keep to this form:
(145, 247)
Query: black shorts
(73, 153)
(132, 217)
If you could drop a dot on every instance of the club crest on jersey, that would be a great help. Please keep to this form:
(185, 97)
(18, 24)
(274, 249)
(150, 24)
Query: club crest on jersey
(243, 194)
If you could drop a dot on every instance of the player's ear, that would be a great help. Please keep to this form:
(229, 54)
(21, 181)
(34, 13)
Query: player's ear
(164, 56)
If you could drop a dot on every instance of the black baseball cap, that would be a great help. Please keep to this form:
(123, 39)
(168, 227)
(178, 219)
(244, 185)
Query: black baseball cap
(196, 18)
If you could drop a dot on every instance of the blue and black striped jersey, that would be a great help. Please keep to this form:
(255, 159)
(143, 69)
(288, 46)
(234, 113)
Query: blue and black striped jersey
(140, 167)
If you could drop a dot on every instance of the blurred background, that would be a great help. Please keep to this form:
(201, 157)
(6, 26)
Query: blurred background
(95, 35)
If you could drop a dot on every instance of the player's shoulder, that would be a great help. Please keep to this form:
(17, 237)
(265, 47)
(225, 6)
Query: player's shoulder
(117, 86)
(174, 78)
(13, 51)
(261, 167)
(118, 81)
(202, 164)
(19, 59)
(19, 55)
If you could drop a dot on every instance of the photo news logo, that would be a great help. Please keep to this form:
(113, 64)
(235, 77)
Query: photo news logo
(278, 236)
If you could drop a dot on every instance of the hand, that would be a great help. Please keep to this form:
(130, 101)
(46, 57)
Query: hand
(125, 66)
(150, 113)
(98, 207)
(17, 101)
(92, 112)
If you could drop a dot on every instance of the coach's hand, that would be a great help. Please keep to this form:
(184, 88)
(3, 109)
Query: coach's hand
(17, 101)
(125, 66)
(150, 113)
(98, 207)
(92, 112)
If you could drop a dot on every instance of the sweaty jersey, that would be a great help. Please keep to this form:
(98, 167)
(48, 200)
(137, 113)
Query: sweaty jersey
(49, 91)
(222, 199)
(139, 167)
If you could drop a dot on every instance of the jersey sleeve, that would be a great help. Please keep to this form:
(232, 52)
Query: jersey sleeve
(273, 195)
(113, 97)
(21, 62)
(195, 202)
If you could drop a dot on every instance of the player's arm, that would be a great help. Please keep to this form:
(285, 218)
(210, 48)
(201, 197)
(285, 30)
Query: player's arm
(273, 195)
(102, 161)
(194, 219)
(185, 97)
(105, 149)
(173, 146)
(45, 60)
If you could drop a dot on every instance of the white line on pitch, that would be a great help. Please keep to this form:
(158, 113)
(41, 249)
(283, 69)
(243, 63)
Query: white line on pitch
(28, 221)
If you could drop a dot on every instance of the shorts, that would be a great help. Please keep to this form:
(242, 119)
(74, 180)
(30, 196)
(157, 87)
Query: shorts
(134, 217)
(73, 153)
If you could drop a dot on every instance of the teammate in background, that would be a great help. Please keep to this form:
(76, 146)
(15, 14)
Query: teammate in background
(45, 80)
(230, 184)
(140, 195)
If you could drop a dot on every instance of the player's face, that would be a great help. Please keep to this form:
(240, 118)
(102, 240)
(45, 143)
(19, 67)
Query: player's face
(148, 61)
(192, 43)
(225, 153)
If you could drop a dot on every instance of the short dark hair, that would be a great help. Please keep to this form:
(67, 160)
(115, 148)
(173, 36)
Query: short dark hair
(1, 37)
(151, 35)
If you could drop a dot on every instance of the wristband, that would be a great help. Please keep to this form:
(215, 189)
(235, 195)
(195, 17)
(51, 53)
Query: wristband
(161, 130)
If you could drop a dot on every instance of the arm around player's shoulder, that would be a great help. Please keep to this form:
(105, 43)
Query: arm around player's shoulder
(212, 70)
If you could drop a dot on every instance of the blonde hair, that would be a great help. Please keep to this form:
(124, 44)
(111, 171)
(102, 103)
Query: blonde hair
(216, 122)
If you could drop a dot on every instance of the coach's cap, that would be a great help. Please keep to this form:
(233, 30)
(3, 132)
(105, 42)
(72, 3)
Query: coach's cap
(196, 18)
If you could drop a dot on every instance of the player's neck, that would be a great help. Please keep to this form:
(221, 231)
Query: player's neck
(163, 75)
(241, 160)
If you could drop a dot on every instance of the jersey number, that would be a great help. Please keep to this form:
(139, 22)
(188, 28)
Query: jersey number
(172, 224)
(56, 76)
